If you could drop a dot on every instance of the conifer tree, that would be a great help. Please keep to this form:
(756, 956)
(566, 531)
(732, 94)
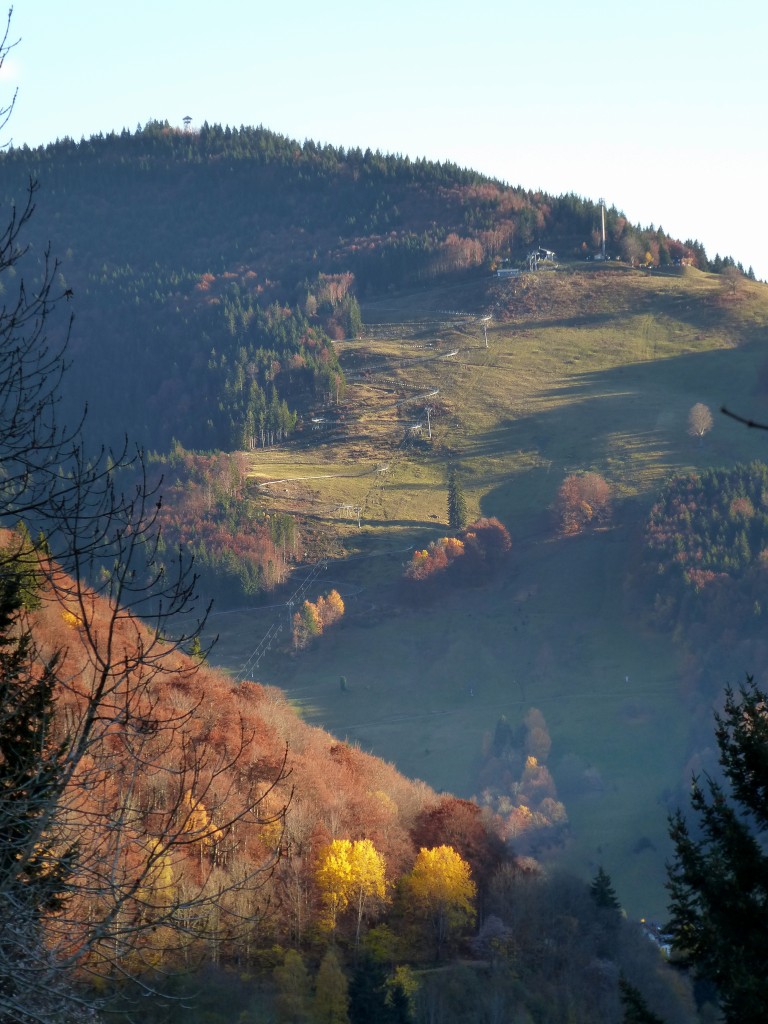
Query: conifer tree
(293, 990)
(635, 1008)
(32, 775)
(331, 1004)
(717, 880)
(457, 504)
(602, 891)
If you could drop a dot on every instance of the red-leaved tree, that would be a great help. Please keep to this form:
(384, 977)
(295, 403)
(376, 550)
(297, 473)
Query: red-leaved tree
(584, 499)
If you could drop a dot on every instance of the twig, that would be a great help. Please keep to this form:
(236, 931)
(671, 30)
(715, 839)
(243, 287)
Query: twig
(744, 420)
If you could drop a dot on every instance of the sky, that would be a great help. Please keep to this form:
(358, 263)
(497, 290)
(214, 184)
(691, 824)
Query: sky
(659, 106)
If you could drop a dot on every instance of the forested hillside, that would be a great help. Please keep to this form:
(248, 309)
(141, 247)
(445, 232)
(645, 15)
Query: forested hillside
(485, 527)
(208, 829)
(213, 268)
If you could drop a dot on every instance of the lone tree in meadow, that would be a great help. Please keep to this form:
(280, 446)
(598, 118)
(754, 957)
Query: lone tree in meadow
(699, 420)
(457, 503)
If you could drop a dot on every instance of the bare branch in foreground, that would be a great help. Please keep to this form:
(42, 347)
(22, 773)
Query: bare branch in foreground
(743, 419)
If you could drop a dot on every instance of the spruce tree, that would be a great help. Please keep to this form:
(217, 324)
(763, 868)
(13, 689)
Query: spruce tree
(718, 880)
(602, 891)
(635, 1007)
(457, 504)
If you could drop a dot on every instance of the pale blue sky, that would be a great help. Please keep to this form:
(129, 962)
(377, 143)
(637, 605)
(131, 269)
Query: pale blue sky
(656, 105)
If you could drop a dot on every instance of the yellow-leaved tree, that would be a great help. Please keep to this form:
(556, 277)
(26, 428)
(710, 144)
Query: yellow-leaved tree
(330, 608)
(351, 873)
(314, 617)
(442, 892)
(197, 826)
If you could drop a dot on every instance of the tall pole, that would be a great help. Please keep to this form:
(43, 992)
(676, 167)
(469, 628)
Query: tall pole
(602, 213)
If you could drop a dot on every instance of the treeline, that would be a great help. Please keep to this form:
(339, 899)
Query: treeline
(709, 525)
(210, 512)
(704, 570)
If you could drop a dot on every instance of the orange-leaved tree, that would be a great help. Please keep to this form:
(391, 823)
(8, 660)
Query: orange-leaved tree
(477, 551)
(316, 616)
(330, 608)
(584, 499)
(435, 558)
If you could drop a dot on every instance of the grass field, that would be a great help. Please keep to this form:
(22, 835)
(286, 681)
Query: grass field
(582, 371)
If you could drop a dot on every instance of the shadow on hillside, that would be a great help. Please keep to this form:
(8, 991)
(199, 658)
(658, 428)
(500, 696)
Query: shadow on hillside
(419, 525)
(728, 373)
(628, 423)
(576, 320)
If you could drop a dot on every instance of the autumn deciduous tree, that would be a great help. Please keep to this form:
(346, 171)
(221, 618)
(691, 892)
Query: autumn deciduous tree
(699, 420)
(351, 873)
(306, 625)
(435, 558)
(475, 554)
(315, 616)
(330, 608)
(462, 825)
(733, 281)
(584, 499)
(442, 893)
(334, 880)
(368, 888)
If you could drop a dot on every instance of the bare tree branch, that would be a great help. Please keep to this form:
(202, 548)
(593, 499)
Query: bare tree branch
(5, 48)
(742, 419)
(138, 823)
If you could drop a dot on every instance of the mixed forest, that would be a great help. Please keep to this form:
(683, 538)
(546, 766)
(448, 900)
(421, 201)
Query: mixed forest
(214, 268)
(356, 448)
